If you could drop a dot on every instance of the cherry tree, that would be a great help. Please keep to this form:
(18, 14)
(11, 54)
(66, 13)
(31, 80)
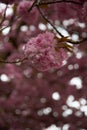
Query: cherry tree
(43, 64)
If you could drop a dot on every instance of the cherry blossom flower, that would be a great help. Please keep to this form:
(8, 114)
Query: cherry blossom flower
(42, 52)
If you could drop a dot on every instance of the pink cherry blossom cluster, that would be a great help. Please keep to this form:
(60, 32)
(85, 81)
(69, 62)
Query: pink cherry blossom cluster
(27, 17)
(42, 52)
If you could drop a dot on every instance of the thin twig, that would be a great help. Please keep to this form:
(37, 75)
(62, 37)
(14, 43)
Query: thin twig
(35, 2)
(60, 1)
(77, 42)
(12, 62)
(45, 18)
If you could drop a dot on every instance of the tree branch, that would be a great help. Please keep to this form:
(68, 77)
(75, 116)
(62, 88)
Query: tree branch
(45, 18)
(77, 42)
(60, 1)
(12, 62)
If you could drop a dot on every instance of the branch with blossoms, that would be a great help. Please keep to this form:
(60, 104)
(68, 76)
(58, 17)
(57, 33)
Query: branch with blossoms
(41, 3)
(60, 46)
(62, 37)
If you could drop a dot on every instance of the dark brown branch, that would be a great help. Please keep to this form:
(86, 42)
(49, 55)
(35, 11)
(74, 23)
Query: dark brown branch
(35, 2)
(13, 62)
(60, 1)
(77, 42)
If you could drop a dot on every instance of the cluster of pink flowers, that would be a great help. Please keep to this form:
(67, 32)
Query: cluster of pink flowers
(27, 17)
(42, 52)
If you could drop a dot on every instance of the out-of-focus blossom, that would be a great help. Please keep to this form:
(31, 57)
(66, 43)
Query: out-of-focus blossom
(28, 17)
